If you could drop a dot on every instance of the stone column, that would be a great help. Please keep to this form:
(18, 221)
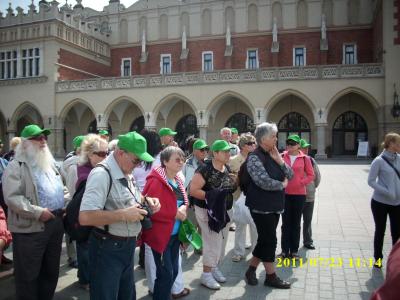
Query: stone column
(321, 131)
(203, 132)
(149, 121)
(56, 138)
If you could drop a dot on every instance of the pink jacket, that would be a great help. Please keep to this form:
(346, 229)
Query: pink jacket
(303, 174)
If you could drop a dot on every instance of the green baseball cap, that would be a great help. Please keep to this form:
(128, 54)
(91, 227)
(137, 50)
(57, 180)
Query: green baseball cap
(77, 141)
(188, 234)
(304, 144)
(166, 131)
(234, 130)
(103, 132)
(34, 130)
(200, 144)
(294, 137)
(135, 143)
(220, 145)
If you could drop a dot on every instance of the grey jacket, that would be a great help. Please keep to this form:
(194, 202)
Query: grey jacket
(311, 187)
(384, 180)
(20, 194)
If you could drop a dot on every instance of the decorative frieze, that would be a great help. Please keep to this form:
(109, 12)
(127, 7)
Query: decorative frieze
(233, 76)
(23, 81)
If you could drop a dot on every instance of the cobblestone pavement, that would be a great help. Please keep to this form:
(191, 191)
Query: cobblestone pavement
(338, 269)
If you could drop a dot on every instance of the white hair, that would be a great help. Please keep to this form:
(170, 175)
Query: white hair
(36, 156)
(112, 144)
(225, 129)
(90, 144)
(265, 130)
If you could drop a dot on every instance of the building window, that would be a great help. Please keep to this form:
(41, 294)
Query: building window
(126, 67)
(8, 64)
(299, 56)
(349, 54)
(30, 62)
(165, 64)
(208, 63)
(252, 59)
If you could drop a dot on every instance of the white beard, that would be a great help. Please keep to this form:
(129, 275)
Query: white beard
(40, 158)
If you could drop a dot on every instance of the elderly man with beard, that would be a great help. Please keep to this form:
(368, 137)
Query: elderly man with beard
(33, 191)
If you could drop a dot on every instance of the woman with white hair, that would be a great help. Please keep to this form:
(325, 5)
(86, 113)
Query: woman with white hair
(265, 198)
(94, 149)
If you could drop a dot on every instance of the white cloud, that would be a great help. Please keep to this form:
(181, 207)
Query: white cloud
(95, 4)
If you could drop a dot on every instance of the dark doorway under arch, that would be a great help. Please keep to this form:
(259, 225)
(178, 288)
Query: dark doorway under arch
(293, 123)
(186, 127)
(137, 125)
(92, 128)
(240, 121)
(348, 129)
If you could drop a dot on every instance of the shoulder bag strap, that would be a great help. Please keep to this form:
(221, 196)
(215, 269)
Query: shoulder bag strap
(106, 227)
(390, 164)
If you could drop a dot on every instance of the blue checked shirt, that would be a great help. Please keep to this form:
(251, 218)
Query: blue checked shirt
(50, 189)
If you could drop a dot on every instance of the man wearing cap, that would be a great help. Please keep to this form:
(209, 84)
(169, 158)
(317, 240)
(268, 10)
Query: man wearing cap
(104, 134)
(308, 208)
(70, 175)
(235, 136)
(196, 159)
(226, 134)
(115, 217)
(33, 191)
(167, 137)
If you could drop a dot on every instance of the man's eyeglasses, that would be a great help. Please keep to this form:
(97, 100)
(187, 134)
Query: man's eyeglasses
(38, 138)
(101, 153)
(250, 143)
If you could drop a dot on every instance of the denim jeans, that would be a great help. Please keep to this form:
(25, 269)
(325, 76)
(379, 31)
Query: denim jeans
(111, 268)
(291, 223)
(82, 253)
(167, 269)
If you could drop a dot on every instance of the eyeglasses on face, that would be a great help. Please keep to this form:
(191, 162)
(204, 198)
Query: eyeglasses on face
(38, 138)
(291, 143)
(101, 153)
(135, 161)
(204, 150)
(250, 143)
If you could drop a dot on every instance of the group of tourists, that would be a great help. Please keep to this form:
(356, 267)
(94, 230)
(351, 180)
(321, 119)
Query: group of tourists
(139, 190)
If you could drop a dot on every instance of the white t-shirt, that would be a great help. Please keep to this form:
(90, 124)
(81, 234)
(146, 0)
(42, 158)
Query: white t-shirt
(292, 159)
(140, 173)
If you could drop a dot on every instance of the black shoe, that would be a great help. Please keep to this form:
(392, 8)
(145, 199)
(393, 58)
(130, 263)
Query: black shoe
(278, 283)
(283, 255)
(310, 246)
(378, 264)
(251, 277)
(232, 228)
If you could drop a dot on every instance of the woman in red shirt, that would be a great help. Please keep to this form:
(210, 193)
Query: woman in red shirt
(295, 196)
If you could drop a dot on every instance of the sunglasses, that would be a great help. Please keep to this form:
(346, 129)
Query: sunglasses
(291, 143)
(135, 161)
(101, 153)
(38, 138)
(250, 143)
(204, 150)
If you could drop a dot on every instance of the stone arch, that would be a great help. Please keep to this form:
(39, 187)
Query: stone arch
(279, 96)
(355, 90)
(76, 117)
(302, 14)
(346, 103)
(252, 17)
(123, 31)
(174, 96)
(163, 27)
(277, 13)
(222, 108)
(229, 18)
(121, 113)
(21, 116)
(206, 22)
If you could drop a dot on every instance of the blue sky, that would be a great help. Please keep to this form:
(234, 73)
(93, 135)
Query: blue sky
(95, 4)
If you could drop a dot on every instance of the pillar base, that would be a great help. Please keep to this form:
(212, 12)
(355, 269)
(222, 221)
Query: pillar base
(321, 156)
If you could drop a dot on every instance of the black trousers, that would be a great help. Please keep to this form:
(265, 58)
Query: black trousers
(291, 223)
(37, 261)
(266, 242)
(308, 210)
(380, 212)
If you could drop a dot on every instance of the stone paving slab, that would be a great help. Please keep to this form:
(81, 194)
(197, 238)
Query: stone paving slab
(342, 229)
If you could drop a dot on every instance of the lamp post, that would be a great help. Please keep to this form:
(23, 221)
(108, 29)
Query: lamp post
(396, 106)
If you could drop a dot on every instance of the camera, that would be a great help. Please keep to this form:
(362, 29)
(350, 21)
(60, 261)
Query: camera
(146, 222)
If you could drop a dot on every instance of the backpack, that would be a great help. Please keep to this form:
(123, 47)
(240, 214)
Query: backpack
(71, 220)
(244, 177)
